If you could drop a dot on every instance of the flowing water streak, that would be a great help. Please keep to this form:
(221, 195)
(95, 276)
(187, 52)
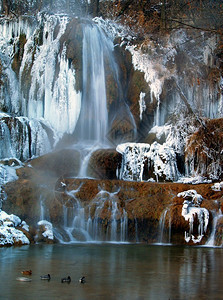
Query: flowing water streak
(162, 225)
(117, 225)
(94, 114)
(211, 241)
(74, 224)
(93, 120)
(42, 213)
(162, 228)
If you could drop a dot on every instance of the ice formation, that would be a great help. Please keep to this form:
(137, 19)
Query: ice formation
(23, 138)
(9, 234)
(142, 104)
(51, 100)
(191, 208)
(160, 160)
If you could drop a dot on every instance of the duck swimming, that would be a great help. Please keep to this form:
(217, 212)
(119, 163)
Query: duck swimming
(27, 272)
(82, 279)
(45, 277)
(66, 279)
(25, 279)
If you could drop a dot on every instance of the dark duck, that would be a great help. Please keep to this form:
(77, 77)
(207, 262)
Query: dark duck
(82, 279)
(66, 279)
(45, 277)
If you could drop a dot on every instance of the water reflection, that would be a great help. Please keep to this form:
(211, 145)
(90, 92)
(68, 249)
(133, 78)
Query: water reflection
(113, 272)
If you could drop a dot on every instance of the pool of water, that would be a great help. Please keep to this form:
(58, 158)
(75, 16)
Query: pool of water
(112, 271)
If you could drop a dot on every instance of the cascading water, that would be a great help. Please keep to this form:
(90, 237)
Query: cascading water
(84, 223)
(116, 227)
(94, 115)
(217, 216)
(92, 126)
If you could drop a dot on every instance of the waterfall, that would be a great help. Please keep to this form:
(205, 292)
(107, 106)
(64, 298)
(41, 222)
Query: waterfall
(92, 126)
(162, 227)
(42, 213)
(217, 216)
(117, 219)
(94, 115)
(84, 223)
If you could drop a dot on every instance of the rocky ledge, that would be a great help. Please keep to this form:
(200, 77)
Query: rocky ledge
(93, 209)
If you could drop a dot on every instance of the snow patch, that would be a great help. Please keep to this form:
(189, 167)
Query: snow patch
(9, 235)
(48, 233)
(218, 186)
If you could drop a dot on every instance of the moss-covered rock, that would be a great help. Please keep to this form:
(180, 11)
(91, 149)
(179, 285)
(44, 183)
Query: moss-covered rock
(104, 163)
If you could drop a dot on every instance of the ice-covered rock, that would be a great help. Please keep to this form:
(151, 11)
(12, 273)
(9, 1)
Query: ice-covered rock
(9, 232)
(47, 229)
(191, 209)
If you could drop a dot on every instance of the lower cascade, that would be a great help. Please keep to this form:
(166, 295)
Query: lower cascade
(85, 223)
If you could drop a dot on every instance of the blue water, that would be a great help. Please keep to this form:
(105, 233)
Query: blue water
(112, 272)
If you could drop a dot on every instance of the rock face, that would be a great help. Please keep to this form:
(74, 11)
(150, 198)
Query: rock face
(126, 111)
(103, 164)
(49, 62)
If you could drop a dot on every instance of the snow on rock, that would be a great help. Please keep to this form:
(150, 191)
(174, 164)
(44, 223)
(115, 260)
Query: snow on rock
(192, 196)
(218, 186)
(191, 209)
(48, 229)
(9, 234)
(194, 180)
(160, 160)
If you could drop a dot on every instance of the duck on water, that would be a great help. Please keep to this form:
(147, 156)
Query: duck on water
(45, 277)
(66, 279)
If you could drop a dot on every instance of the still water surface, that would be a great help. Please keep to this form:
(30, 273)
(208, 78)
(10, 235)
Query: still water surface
(113, 272)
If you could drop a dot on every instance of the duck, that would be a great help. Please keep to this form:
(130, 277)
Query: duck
(25, 279)
(66, 279)
(45, 277)
(27, 272)
(82, 279)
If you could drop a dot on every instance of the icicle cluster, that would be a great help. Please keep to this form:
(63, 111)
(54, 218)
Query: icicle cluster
(160, 160)
(22, 138)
